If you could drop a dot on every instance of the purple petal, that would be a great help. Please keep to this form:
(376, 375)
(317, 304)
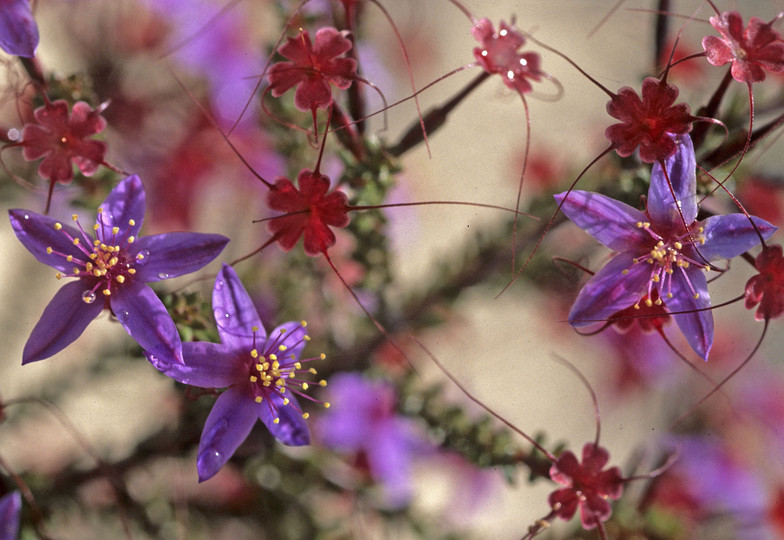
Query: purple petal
(37, 232)
(389, 457)
(18, 31)
(729, 236)
(63, 320)
(611, 222)
(234, 311)
(126, 202)
(10, 506)
(610, 291)
(292, 428)
(697, 326)
(228, 425)
(292, 336)
(175, 254)
(145, 318)
(681, 169)
(206, 365)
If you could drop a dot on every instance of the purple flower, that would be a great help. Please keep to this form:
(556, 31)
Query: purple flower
(363, 420)
(259, 370)
(10, 505)
(656, 252)
(18, 31)
(110, 271)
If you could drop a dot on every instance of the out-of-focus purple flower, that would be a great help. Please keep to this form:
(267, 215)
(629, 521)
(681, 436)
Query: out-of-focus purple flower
(10, 505)
(111, 271)
(18, 31)
(363, 420)
(261, 373)
(656, 252)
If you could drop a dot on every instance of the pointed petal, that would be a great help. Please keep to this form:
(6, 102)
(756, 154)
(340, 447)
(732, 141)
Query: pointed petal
(175, 254)
(145, 318)
(665, 198)
(235, 314)
(291, 428)
(290, 335)
(37, 232)
(10, 508)
(611, 222)
(228, 425)
(63, 320)
(206, 365)
(729, 236)
(697, 326)
(126, 202)
(18, 31)
(610, 291)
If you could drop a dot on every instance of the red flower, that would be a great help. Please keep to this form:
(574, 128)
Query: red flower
(309, 210)
(312, 68)
(649, 122)
(767, 287)
(751, 51)
(499, 54)
(649, 313)
(61, 139)
(587, 486)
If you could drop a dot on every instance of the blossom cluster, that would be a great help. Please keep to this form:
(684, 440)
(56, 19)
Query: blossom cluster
(181, 123)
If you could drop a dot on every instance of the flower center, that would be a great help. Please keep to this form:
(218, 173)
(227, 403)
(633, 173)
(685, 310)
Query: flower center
(672, 253)
(275, 371)
(105, 263)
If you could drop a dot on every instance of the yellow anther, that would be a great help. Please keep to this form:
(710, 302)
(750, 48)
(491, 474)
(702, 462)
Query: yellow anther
(107, 292)
(120, 279)
(282, 331)
(273, 357)
(305, 415)
(115, 230)
(322, 382)
(678, 245)
(58, 275)
(259, 367)
(291, 375)
(639, 224)
(286, 401)
(327, 405)
(76, 271)
(253, 378)
(139, 256)
(313, 371)
(49, 250)
(696, 295)
(132, 271)
(306, 337)
(254, 353)
(76, 241)
(75, 217)
(303, 323)
(624, 272)
(655, 278)
(97, 272)
(96, 227)
(69, 258)
(305, 386)
(282, 348)
(658, 302)
(131, 239)
(258, 400)
(58, 226)
(636, 306)
(648, 302)
(131, 222)
(100, 209)
(275, 365)
(669, 295)
(276, 421)
(323, 356)
(297, 365)
(254, 328)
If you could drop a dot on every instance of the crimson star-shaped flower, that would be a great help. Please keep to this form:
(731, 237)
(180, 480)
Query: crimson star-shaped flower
(751, 51)
(61, 138)
(587, 486)
(767, 287)
(309, 211)
(313, 67)
(499, 53)
(648, 122)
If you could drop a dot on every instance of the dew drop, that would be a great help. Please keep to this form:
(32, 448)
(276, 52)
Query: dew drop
(219, 285)
(13, 134)
(26, 216)
(88, 297)
(143, 257)
(122, 316)
(163, 275)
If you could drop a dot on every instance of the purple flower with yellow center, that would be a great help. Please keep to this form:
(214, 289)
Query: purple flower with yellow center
(663, 249)
(110, 271)
(261, 372)
(10, 506)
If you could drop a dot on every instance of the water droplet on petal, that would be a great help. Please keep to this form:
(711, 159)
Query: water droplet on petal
(13, 134)
(163, 275)
(88, 297)
(219, 285)
(143, 257)
(26, 216)
(122, 316)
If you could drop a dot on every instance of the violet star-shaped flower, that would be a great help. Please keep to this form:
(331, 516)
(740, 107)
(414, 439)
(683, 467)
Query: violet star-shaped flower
(587, 486)
(363, 420)
(18, 30)
(499, 53)
(261, 373)
(111, 271)
(10, 506)
(656, 252)
(751, 51)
